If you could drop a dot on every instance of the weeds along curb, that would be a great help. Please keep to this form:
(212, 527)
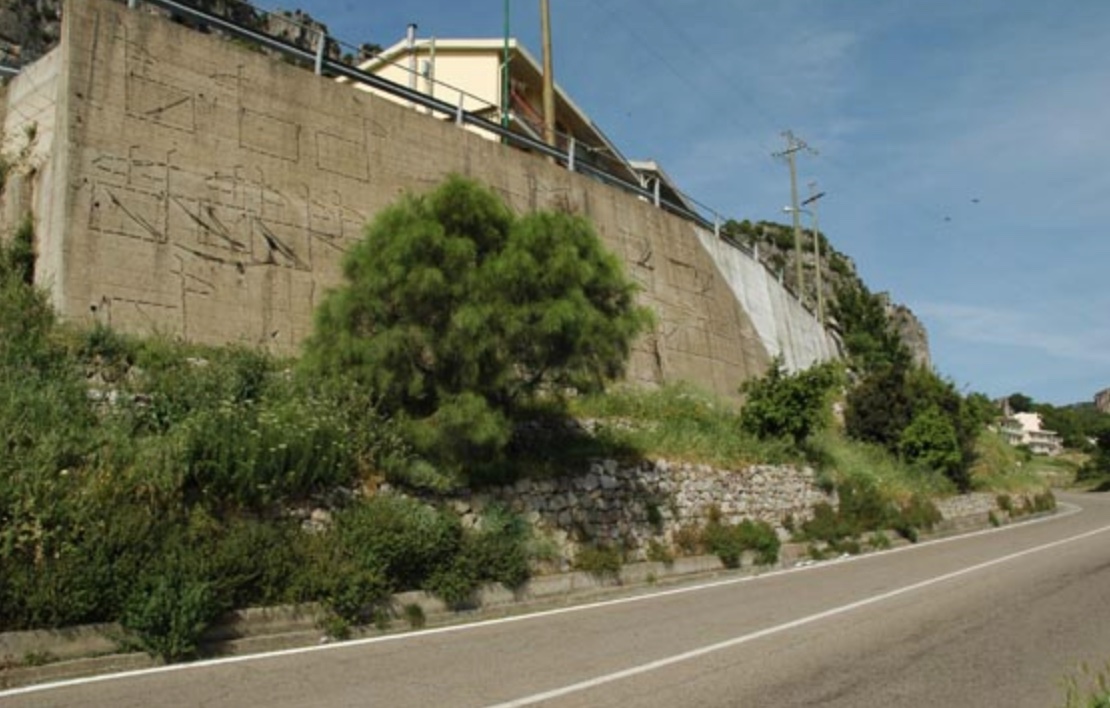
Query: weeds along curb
(40, 656)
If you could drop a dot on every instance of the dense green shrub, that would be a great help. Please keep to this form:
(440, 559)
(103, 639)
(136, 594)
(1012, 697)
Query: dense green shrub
(915, 515)
(500, 546)
(403, 539)
(792, 405)
(496, 552)
(914, 413)
(863, 508)
(454, 312)
(729, 541)
(168, 614)
(456, 583)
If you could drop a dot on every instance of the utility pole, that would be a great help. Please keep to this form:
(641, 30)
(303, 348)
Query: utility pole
(505, 95)
(793, 146)
(548, 75)
(811, 201)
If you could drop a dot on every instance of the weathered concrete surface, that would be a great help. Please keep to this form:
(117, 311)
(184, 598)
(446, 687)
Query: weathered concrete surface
(785, 328)
(28, 147)
(208, 192)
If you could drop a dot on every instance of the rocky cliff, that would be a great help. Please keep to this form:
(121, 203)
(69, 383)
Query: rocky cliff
(773, 244)
(1102, 401)
(910, 330)
(28, 29)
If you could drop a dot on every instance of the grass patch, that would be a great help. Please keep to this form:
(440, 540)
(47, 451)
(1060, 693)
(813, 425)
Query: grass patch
(840, 460)
(1001, 467)
(1087, 687)
(678, 422)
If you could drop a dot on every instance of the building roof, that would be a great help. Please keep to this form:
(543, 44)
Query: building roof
(521, 61)
(669, 189)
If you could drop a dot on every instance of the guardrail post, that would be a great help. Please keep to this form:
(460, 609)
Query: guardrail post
(459, 112)
(321, 43)
(570, 154)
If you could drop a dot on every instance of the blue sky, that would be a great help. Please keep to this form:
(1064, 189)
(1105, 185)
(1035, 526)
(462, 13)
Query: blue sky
(916, 108)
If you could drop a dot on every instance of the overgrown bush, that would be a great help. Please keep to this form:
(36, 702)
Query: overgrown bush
(914, 413)
(169, 614)
(602, 562)
(788, 405)
(864, 508)
(403, 539)
(729, 541)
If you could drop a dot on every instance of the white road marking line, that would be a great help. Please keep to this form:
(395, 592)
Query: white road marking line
(794, 624)
(415, 636)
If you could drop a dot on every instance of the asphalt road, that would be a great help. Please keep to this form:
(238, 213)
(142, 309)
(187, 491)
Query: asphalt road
(994, 618)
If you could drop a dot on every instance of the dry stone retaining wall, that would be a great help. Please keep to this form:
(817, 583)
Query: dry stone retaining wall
(633, 504)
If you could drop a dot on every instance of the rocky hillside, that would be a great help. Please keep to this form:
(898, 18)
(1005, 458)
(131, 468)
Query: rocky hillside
(30, 28)
(774, 246)
(1102, 401)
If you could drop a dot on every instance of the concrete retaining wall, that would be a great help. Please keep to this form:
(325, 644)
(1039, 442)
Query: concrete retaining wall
(192, 187)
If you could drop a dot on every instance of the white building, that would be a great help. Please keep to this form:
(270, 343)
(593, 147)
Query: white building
(1027, 429)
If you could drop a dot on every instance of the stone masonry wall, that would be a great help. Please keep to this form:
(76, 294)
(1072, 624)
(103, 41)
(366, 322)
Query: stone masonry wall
(207, 192)
(634, 504)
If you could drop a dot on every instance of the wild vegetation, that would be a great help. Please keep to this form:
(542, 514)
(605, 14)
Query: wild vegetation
(456, 316)
(160, 484)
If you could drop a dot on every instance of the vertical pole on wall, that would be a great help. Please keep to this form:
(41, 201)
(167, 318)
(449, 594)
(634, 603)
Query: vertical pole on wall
(505, 73)
(570, 154)
(459, 112)
(717, 226)
(432, 70)
(321, 44)
(658, 188)
(410, 42)
(548, 75)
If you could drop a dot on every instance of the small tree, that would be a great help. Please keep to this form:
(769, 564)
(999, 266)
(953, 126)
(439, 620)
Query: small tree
(930, 440)
(916, 414)
(455, 312)
(783, 404)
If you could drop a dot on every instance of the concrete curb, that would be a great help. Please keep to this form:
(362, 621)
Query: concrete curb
(95, 649)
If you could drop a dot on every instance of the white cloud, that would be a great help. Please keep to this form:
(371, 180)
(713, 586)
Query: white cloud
(1039, 331)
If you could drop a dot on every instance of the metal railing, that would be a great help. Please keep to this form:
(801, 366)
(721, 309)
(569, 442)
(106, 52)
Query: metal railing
(578, 157)
(329, 67)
